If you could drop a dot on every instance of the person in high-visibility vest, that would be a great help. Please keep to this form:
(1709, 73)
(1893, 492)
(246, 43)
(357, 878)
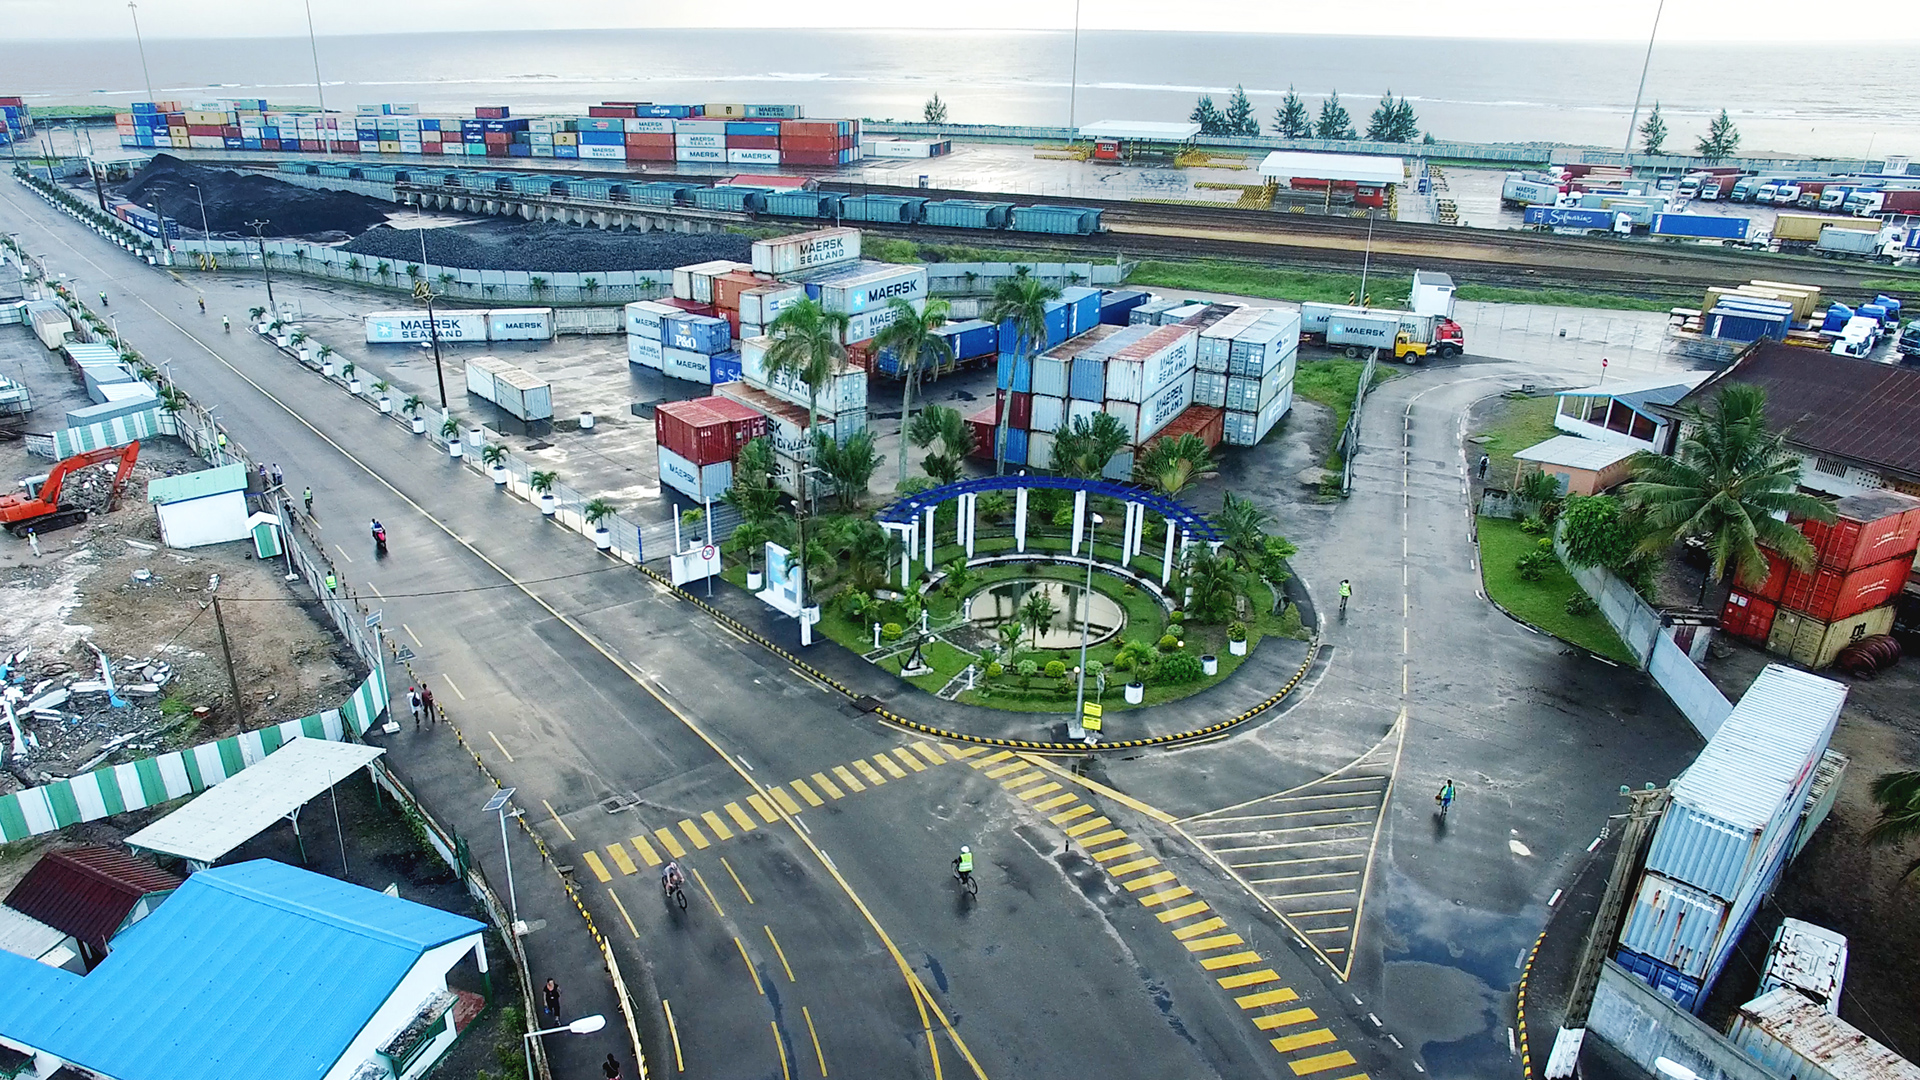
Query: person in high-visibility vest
(963, 863)
(331, 582)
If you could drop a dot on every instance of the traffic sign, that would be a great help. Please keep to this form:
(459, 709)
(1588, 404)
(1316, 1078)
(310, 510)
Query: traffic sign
(707, 553)
(373, 619)
(499, 800)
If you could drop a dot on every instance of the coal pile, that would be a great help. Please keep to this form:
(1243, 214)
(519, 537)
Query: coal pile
(549, 247)
(233, 199)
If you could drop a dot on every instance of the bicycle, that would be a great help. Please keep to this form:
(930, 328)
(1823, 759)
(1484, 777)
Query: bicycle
(678, 895)
(967, 882)
(670, 881)
(1445, 798)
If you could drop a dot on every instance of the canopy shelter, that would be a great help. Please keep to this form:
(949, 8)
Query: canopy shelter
(1356, 168)
(1140, 130)
(237, 809)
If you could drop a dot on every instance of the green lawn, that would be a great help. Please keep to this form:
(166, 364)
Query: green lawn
(1246, 279)
(1513, 425)
(1333, 383)
(1541, 603)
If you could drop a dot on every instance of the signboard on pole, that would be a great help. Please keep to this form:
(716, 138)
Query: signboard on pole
(782, 593)
(695, 564)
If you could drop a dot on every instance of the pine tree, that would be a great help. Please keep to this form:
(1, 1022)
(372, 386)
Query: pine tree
(1208, 117)
(935, 111)
(1721, 139)
(1334, 123)
(1406, 122)
(1290, 120)
(1239, 118)
(1653, 133)
(1380, 124)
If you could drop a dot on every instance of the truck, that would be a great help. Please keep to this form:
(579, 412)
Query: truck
(1909, 343)
(37, 508)
(1579, 219)
(1852, 243)
(1882, 201)
(1705, 226)
(1810, 192)
(1745, 187)
(1834, 196)
(1527, 189)
(1862, 333)
(1410, 337)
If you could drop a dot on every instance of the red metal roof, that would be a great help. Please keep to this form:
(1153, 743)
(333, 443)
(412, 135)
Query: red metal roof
(1838, 405)
(87, 891)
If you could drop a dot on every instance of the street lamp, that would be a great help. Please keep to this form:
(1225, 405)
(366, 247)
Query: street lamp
(586, 1025)
(498, 804)
(1074, 728)
(135, 12)
(259, 233)
(424, 291)
(206, 233)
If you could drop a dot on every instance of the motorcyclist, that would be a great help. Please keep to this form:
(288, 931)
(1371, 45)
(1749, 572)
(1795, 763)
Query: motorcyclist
(379, 533)
(225, 325)
(103, 298)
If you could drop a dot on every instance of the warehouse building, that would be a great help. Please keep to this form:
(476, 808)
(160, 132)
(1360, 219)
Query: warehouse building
(1365, 181)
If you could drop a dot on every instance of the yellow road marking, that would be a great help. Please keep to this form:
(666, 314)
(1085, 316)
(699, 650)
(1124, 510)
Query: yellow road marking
(1201, 927)
(853, 782)
(962, 753)
(719, 827)
(1120, 797)
(833, 790)
(1239, 959)
(932, 755)
(1265, 997)
(1309, 1066)
(780, 1047)
(805, 793)
(1248, 978)
(1088, 826)
(761, 990)
(1158, 877)
(557, 821)
(694, 834)
(1022, 780)
(503, 750)
(1285, 1019)
(1008, 769)
(712, 899)
(781, 953)
(1182, 912)
(667, 1007)
(906, 757)
(620, 859)
(1126, 868)
(785, 800)
(1219, 941)
(1117, 852)
(645, 849)
(1287, 1044)
(1065, 816)
(1107, 837)
(996, 756)
(1035, 792)
(623, 911)
(599, 868)
(667, 841)
(1175, 893)
(816, 1040)
(740, 817)
(736, 879)
(764, 809)
(872, 774)
(887, 765)
(1057, 800)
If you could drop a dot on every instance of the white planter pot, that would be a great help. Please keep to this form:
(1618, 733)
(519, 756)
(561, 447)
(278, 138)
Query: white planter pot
(353, 386)
(755, 580)
(283, 340)
(499, 475)
(327, 369)
(1210, 664)
(1237, 648)
(386, 404)
(419, 425)
(586, 421)
(476, 437)
(602, 539)
(548, 504)
(306, 354)
(1136, 693)
(453, 448)
(260, 328)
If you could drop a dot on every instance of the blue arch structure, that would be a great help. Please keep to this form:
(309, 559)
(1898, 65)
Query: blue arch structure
(908, 510)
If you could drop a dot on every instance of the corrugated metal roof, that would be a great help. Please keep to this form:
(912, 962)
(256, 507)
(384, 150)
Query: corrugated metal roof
(254, 970)
(1574, 452)
(1675, 924)
(233, 811)
(1791, 1022)
(1703, 851)
(1765, 749)
(1635, 393)
(1859, 409)
(1361, 168)
(197, 485)
(23, 935)
(87, 891)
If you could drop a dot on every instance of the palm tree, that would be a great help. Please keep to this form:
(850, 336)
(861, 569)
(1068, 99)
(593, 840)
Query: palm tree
(597, 511)
(1211, 583)
(1244, 526)
(541, 482)
(1726, 484)
(850, 465)
(1038, 612)
(951, 430)
(1021, 300)
(1087, 445)
(806, 346)
(1171, 464)
(1898, 796)
(865, 546)
(911, 339)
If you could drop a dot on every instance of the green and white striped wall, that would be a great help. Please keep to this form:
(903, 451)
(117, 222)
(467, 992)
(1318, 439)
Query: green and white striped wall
(152, 781)
(118, 431)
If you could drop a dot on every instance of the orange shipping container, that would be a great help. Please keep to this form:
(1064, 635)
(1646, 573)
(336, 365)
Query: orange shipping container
(1829, 595)
(728, 287)
(1871, 529)
(1748, 616)
(651, 141)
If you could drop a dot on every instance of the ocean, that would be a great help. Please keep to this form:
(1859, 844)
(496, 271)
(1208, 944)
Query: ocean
(1476, 91)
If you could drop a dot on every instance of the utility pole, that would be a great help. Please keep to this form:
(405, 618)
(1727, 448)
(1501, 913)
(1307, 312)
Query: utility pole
(1073, 81)
(1633, 121)
(239, 709)
(320, 94)
(134, 10)
(424, 291)
(1647, 807)
(259, 233)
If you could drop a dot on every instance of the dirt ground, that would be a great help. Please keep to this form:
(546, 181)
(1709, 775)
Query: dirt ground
(1839, 881)
(109, 582)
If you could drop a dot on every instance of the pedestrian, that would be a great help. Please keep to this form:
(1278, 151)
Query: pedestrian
(426, 702)
(220, 439)
(266, 481)
(413, 703)
(552, 996)
(307, 494)
(611, 1068)
(332, 582)
(1485, 464)
(279, 478)
(33, 538)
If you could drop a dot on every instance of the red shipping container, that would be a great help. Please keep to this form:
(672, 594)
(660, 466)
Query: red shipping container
(694, 306)
(1873, 528)
(753, 142)
(707, 431)
(269, 144)
(500, 138)
(803, 142)
(1833, 595)
(649, 153)
(650, 141)
(809, 157)
(983, 424)
(829, 129)
(309, 144)
(1748, 616)
(615, 110)
(728, 287)
(498, 150)
(1209, 423)
(214, 130)
(490, 112)
(1776, 583)
(1021, 413)
(231, 130)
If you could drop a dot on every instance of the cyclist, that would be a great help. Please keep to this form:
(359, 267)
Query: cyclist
(1445, 798)
(225, 325)
(203, 305)
(1346, 593)
(670, 878)
(307, 494)
(963, 864)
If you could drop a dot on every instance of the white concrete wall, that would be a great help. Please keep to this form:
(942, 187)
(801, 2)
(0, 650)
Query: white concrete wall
(214, 519)
(428, 977)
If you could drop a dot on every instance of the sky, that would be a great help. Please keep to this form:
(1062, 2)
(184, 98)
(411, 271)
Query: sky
(1683, 21)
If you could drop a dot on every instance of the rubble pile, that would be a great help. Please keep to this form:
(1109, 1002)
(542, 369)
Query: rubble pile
(62, 720)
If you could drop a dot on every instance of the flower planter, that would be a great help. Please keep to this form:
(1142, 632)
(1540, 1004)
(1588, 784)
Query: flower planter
(326, 369)
(419, 425)
(353, 387)
(1209, 664)
(476, 437)
(602, 539)
(755, 580)
(586, 421)
(283, 340)
(453, 448)
(1237, 648)
(1136, 693)
(306, 354)
(386, 404)
(499, 475)
(548, 504)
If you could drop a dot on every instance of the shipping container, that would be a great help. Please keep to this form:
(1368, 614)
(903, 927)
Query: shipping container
(1871, 528)
(1164, 405)
(1675, 923)
(1050, 375)
(971, 339)
(1793, 1036)
(1805, 228)
(1210, 388)
(1016, 406)
(1206, 423)
(481, 374)
(1216, 341)
(867, 324)
(695, 282)
(854, 287)
(1116, 307)
(644, 317)
(522, 394)
(386, 327)
(1248, 429)
(644, 351)
(707, 430)
(1828, 595)
(724, 367)
(1040, 446)
(520, 324)
(700, 483)
(1148, 313)
(1049, 412)
(1815, 642)
(845, 390)
(1749, 616)
(1574, 218)
(1706, 226)
(1083, 308)
(1266, 346)
(807, 251)
(1138, 371)
(696, 333)
(764, 303)
(1246, 394)
(686, 364)
(1807, 958)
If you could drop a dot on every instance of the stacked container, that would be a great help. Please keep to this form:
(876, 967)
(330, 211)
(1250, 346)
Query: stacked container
(698, 441)
(16, 120)
(788, 428)
(861, 289)
(1719, 848)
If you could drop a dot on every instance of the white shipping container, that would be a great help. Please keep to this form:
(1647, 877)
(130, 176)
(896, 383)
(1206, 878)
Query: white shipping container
(697, 482)
(481, 372)
(695, 282)
(804, 251)
(761, 304)
(604, 153)
(385, 327)
(1265, 345)
(523, 395)
(520, 324)
(686, 364)
(1129, 416)
(1215, 340)
(697, 154)
(698, 127)
(1247, 429)
(1811, 959)
(1049, 412)
(647, 125)
(902, 148)
(752, 156)
(644, 351)
(1210, 388)
(1050, 376)
(1252, 395)
(1077, 408)
(1166, 403)
(845, 391)
(700, 140)
(1792, 1036)
(867, 324)
(1139, 372)
(543, 127)
(872, 288)
(643, 317)
(1040, 449)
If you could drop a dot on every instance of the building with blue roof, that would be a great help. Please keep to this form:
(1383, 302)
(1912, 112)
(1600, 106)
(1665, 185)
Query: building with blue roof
(256, 970)
(1622, 412)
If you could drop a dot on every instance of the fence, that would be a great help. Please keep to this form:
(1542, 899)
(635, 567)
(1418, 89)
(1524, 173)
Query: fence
(1646, 1026)
(968, 279)
(1350, 438)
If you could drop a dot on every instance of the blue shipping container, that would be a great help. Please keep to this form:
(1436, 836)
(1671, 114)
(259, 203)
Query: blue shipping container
(1088, 379)
(753, 127)
(1016, 446)
(602, 138)
(566, 151)
(1015, 374)
(1569, 217)
(1059, 322)
(725, 367)
(696, 333)
(1702, 225)
(971, 339)
(1083, 305)
(1681, 990)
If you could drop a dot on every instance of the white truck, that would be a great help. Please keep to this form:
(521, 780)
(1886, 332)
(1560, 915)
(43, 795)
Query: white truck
(1404, 335)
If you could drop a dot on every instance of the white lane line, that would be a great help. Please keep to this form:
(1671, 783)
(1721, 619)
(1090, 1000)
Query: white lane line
(450, 683)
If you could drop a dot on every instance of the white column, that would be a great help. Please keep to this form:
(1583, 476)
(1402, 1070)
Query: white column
(1136, 520)
(960, 513)
(932, 541)
(1020, 520)
(1079, 519)
(1166, 560)
(968, 519)
(906, 552)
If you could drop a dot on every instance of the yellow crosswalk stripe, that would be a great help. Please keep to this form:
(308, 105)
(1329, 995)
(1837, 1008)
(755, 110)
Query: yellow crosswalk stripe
(1022, 780)
(594, 864)
(1056, 801)
(853, 782)
(1117, 852)
(1219, 941)
(694, 834)
(907, 758)
(933, 756)
(887, 766)
(1156, 899)
(1008, 769)
(962, 753)
(719, 827)
(1248, 978)
(1065, 816)
(786, 801)
(1285, 1019)
(873, 775)
(1202, 927)
(1287, 1044)
(763, 808)
(740, 817)
(1265, 997)
(832, 789)
(620, 859)
(1035, 792)
(1158, 877)
(1238, 959)
(1107, 837)
(1184, 911)
(672, 845)
(1088, 826)
(999, 755)
(807, 793)
(1309, 1066)
(1130, 866)
(645, 849)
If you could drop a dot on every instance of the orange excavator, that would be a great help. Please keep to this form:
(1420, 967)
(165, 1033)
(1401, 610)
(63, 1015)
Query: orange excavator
(38, 508)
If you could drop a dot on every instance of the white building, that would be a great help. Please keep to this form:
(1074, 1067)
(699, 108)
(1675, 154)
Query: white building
(199, 508)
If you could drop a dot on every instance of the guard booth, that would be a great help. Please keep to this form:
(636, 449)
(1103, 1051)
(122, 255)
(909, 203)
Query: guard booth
(1124, 141)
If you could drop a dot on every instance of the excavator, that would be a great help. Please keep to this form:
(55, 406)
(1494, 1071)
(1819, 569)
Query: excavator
(38, 508)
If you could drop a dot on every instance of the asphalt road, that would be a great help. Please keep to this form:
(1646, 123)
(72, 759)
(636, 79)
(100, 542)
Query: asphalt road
(825, 937)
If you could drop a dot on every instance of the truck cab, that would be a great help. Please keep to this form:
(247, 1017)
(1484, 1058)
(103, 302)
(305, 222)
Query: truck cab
(1858, 339)
(1909, 343)
(1832, 198)
(1688, 187)
(1711, 187)
(1449, 339)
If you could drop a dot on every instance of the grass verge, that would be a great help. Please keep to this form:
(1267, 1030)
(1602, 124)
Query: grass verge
(1513, 425)
(1541, 603)
(1333, 383)
(1335, 288)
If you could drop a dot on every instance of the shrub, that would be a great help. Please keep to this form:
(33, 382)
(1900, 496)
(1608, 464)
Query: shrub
(1534, 565)
(1580, 605)
(1168, 643)
(1177, 617)
(1533, 526)
(1063, 518)
(1094, 668)
(1055, 669)
(1027, 669)
(1181, 668)
(995, 669)
(1290, 623)
(1236, 631)
(891, 631)
(1123, 662)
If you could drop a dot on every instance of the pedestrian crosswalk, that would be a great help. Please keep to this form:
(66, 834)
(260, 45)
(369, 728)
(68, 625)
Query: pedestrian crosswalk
(1305, 852)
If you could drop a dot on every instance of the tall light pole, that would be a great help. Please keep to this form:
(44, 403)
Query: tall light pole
(319, 94)
(134, 10)
(423, 291)
(498, 805)
(1634, 120)
(1074, 728)
(1073, 81)
(586, 1025)
(259, 226)
(205, 232)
